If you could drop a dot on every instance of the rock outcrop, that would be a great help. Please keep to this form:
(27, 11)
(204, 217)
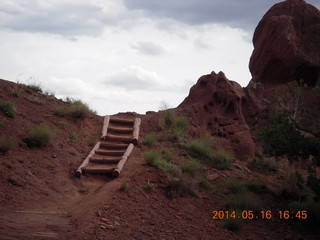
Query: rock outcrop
(214, 106)
(286, 49)
(286, 44)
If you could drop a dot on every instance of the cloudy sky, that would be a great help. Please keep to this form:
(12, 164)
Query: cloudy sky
(126, 55)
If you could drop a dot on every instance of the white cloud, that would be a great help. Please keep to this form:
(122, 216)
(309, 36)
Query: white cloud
(149, 48)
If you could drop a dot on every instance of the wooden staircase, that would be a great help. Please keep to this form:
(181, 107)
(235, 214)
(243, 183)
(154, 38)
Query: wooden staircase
(108, 156)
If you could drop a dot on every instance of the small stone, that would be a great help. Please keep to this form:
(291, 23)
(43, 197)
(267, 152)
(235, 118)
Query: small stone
(213, 176)
(99, 214)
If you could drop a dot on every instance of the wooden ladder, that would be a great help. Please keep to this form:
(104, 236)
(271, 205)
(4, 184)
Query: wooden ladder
(119, 135)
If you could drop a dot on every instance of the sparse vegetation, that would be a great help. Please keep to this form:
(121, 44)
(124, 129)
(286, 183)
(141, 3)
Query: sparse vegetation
(256, 186)
(173, 125)
(150, 185)
(35, 87)
(124, 187)
(16, 90)
(6, 143)
(191, 166)
(244, 201)
(150, 139)
(203, 182)
(60, 111)
(236, 185)
(222, 159)
(8, 108)
(201, 149)
(260, 164)
(35, 100)
(73, 137)
(294, 188)
(2, 123)
(180, 187)
(62, 124)
(155, 159)
(80, 110)
(167, 154)
(40, 136)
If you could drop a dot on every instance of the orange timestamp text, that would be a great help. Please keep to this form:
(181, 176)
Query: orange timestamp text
(250, 214)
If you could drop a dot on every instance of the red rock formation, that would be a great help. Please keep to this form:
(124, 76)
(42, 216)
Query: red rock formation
(287, 44)
(214, 106)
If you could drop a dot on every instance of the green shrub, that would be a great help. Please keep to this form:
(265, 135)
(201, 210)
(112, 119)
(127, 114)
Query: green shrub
(62, 124)
(5, 144)
(236, 185)
(198, 149)
(73, 137)
(151, 156)
(40, 136)
(2, 123)
(180, 187)
(166, 166)
(264, 165)
(191, 166)
(16, 91)
(257, 186)
(150, 139)
(8, 108)
(80, 110)
(154, 159)
(124, 187)
(203, 182)
(174, 126)
(150, 185)
(167, 154)
(60, 111)
(294, 187)
(222, 159)
(283, 138)
(35, 87)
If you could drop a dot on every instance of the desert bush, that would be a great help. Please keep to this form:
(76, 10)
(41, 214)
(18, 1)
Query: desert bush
(222, 159)
(40, 136)
(155, 159)
(80, 110)
(35, 87)
(16, 91)
(256, 185)
(236, 185)
(191, 166)
(73, 137)
(2, 123)
(260, 164)
(204, 182)
(124, 187)
(62, 124)
(60, 111)
(294, 187)
(8, 108)
(173, 125)
(6, 143)
(151, 156)
(180, 187)
(200, 150)
(150, 139)
(167, 154)
(150, 185)
(168, 167)
(283, 138)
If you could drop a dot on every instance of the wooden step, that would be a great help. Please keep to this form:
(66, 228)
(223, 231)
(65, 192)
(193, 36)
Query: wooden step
(122, 120)
(104, 159)
(111, 145)
(120, 138)
(120, 129)
(99, 168)
(105, 152)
